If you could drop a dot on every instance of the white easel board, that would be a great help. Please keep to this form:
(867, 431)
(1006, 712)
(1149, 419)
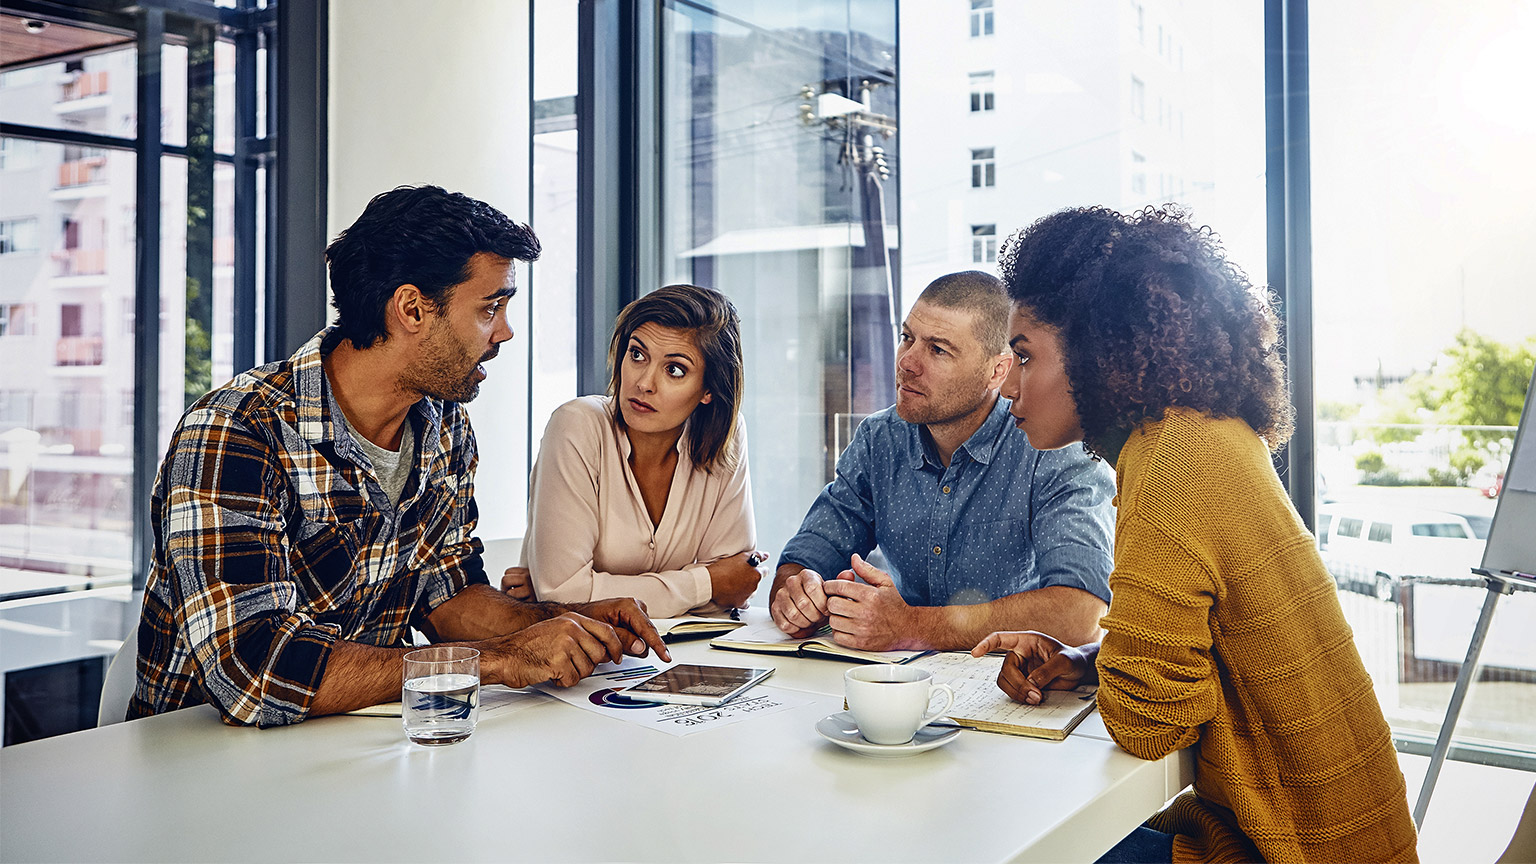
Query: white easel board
(1512, 538)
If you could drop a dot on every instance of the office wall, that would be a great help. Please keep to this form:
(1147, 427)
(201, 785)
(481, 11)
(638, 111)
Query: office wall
(438, 93)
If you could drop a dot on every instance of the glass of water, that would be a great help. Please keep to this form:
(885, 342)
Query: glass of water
(440, 696)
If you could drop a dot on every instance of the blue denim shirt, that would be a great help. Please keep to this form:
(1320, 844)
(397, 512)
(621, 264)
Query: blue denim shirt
(1001, 519)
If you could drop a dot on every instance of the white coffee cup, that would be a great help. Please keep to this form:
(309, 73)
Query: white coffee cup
(890, 703)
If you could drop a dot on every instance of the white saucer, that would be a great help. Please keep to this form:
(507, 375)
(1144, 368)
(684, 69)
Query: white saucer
(840, 729)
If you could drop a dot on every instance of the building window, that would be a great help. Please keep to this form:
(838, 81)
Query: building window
(17, 154)
(1138, 174)
(15, 408)
(16, 319)
(1138, 98)
(983, 244)
(18, 235)
(1141, 25)
(983, 168)
(982, 97)
(71, 319)
(981, 17)
(22, 77)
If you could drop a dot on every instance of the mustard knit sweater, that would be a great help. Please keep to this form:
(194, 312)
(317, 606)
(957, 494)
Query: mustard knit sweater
(1225, 634)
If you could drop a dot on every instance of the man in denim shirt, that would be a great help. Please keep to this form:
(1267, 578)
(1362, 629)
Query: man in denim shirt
(982, 531)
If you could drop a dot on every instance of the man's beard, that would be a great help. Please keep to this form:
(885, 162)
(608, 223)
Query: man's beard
(440, 374)
(936, 413)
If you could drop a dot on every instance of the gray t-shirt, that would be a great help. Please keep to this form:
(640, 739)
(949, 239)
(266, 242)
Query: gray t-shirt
(392, 467)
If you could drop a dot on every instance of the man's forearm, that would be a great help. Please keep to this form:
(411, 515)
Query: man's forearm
(359, 675)
(356, 676)
(1069, 614)
(481, 612)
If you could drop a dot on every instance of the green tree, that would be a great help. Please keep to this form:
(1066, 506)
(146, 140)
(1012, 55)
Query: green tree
(1485, 382)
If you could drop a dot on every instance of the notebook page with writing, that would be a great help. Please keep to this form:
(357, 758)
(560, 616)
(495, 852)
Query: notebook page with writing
(979, 702)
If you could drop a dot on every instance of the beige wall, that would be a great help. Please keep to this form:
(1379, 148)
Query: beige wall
(438, 93)
(428, 93)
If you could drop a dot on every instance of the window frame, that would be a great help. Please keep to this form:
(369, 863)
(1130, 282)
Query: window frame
(294, 36)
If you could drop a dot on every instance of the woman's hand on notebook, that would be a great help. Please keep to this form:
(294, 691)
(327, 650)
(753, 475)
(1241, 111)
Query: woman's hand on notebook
(1037, 662)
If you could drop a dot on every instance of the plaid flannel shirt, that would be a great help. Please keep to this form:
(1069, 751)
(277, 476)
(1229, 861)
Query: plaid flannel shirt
(273, 539)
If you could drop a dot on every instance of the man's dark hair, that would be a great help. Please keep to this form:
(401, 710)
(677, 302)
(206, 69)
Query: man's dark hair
(414, 235)
(1151, 315)
(712, 320)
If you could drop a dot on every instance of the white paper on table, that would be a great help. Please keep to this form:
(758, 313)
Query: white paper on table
(594, 693)
(494, 699)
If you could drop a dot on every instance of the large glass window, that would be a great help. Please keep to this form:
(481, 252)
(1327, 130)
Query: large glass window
(1422, 180)
(1075, 78)
(552, 289)
(73, 237)
(790, 211)
(65, 463)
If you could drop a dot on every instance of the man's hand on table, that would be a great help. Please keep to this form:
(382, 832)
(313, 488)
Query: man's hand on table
(799, 605)
(871, 616)
(566, 648)
(627, 616)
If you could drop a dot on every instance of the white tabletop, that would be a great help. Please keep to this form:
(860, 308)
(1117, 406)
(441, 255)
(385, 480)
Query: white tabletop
(550, 782)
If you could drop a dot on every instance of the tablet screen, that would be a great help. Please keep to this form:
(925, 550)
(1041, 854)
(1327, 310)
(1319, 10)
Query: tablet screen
(689, 679)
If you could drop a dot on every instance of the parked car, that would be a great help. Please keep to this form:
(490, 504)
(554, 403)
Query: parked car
(1373, 549)
(1493, 489)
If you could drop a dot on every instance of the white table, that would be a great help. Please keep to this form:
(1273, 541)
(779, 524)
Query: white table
(550, 782)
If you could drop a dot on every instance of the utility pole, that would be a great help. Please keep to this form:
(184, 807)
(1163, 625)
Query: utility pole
(872, 309)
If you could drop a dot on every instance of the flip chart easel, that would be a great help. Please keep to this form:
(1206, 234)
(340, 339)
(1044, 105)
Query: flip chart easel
(1509, 565)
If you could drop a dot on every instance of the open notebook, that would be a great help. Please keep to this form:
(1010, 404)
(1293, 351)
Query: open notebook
(764, 637)
(980, 704)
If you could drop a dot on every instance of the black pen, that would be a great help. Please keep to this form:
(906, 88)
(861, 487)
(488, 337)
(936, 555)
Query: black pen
(752, 561)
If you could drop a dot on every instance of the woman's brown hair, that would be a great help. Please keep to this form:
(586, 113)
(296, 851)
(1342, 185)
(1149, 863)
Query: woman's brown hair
(716, 328)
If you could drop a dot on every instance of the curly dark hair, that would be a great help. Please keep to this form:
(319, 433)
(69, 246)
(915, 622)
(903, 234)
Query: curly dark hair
(1152, 315)
(416, 235)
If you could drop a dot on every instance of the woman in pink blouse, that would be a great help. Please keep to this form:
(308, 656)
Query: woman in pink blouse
(644, 492)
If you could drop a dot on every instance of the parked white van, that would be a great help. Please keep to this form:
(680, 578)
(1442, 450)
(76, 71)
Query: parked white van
(1372, 549)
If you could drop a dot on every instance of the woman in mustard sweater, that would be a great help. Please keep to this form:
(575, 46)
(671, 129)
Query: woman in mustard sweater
(1135, 335)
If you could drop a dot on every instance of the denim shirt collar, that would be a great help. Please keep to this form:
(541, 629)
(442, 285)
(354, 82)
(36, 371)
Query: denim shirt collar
(979, 447)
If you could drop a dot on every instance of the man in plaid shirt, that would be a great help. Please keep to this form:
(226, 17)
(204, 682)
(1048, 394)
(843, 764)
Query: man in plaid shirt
(310, 512)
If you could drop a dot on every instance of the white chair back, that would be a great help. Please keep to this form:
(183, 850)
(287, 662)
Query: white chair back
(499, 555)
(117, 684)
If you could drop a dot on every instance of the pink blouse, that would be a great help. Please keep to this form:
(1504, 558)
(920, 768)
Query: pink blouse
(590, 538)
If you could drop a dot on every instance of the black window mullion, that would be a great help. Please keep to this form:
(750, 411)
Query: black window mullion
(146, 303)
(198, 370)
(244, 311)
(1289, 230)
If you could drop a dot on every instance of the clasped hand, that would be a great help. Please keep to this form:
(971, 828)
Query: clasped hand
(1038, 662)
(869, 615)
